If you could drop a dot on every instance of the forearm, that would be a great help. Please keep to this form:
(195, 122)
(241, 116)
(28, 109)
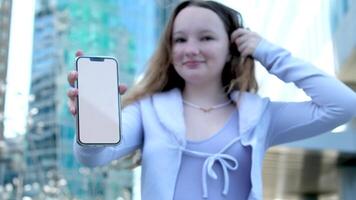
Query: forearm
(99, 156)
(336, 99)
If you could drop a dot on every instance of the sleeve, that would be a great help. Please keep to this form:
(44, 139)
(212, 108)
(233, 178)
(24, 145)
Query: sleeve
(332, 103)
(132, 139)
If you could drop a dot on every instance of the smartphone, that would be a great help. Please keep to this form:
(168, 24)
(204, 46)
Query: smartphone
(98, 102)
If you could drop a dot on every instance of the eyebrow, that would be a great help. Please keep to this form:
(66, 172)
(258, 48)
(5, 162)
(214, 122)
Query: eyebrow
(200, 32)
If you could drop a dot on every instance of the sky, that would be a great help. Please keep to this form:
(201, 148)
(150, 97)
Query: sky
(19, 66)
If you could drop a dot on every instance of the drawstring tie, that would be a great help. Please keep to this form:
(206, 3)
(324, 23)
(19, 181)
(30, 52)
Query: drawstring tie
(226, 161)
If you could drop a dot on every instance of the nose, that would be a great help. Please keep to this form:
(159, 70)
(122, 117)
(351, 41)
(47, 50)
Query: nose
(191, 49)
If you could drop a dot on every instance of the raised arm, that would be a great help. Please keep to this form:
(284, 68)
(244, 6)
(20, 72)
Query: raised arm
(332, 102)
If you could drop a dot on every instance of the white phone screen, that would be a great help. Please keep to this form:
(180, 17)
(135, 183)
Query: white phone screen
(98, 116)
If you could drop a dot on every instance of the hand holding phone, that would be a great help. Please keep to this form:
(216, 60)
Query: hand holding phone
(98, 102)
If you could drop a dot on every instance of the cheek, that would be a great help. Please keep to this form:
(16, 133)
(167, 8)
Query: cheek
(176, 55)
(218, 57)
(179, 70)
(224, 55)
(176, 58)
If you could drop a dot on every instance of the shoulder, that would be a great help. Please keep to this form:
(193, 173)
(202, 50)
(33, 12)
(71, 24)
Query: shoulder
(251, 108)
(248, 99)
(173, 93)
(165, 99)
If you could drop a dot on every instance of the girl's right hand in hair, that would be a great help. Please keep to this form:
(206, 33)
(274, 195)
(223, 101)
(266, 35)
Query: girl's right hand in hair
(72, 93)
(246, 41)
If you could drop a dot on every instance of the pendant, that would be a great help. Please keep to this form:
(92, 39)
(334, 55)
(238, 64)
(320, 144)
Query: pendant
(206, 109)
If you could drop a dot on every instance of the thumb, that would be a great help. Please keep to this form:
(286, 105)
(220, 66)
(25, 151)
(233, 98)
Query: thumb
(79, 53)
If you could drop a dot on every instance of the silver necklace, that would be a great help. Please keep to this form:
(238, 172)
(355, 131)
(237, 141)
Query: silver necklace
(209, 108)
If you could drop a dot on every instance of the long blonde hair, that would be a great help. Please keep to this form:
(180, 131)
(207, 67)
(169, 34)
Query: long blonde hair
(238, 73)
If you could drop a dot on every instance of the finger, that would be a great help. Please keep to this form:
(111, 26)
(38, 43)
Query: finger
(79, 53)
(72, 104)
(242, 40)
(238, 33)
(72, 107)
(72, 77)
(122, 88)
(234, 35)
(242, 44)
(72, 93)
(243, 49)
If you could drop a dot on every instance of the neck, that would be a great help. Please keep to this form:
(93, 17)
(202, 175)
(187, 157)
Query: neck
(204, 95)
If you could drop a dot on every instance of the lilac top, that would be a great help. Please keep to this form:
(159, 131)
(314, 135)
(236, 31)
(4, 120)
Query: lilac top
(149, 125)
(197, 157)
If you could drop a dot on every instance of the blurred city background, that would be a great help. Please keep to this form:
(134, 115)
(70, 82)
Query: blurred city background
(38, 41)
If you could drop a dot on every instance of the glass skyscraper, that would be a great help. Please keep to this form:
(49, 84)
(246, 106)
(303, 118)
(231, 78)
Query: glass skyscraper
(127, 30)
(5, 18)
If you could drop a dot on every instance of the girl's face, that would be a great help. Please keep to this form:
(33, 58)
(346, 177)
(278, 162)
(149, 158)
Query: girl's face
(200, 45)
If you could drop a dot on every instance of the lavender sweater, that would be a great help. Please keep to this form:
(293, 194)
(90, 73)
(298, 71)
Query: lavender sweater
(155, 125)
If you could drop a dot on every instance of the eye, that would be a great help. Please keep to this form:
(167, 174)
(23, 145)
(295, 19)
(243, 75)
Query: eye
(207, 38)
(179, 40)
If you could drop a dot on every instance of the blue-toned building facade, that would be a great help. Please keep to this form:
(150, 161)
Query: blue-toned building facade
(125, 29)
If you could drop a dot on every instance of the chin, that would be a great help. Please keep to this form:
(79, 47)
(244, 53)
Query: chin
(193, 76)
(194, 80)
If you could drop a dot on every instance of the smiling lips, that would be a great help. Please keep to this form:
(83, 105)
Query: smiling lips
(192, 64)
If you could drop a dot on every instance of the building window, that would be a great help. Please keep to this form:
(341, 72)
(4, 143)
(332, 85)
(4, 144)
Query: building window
(345, 6)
